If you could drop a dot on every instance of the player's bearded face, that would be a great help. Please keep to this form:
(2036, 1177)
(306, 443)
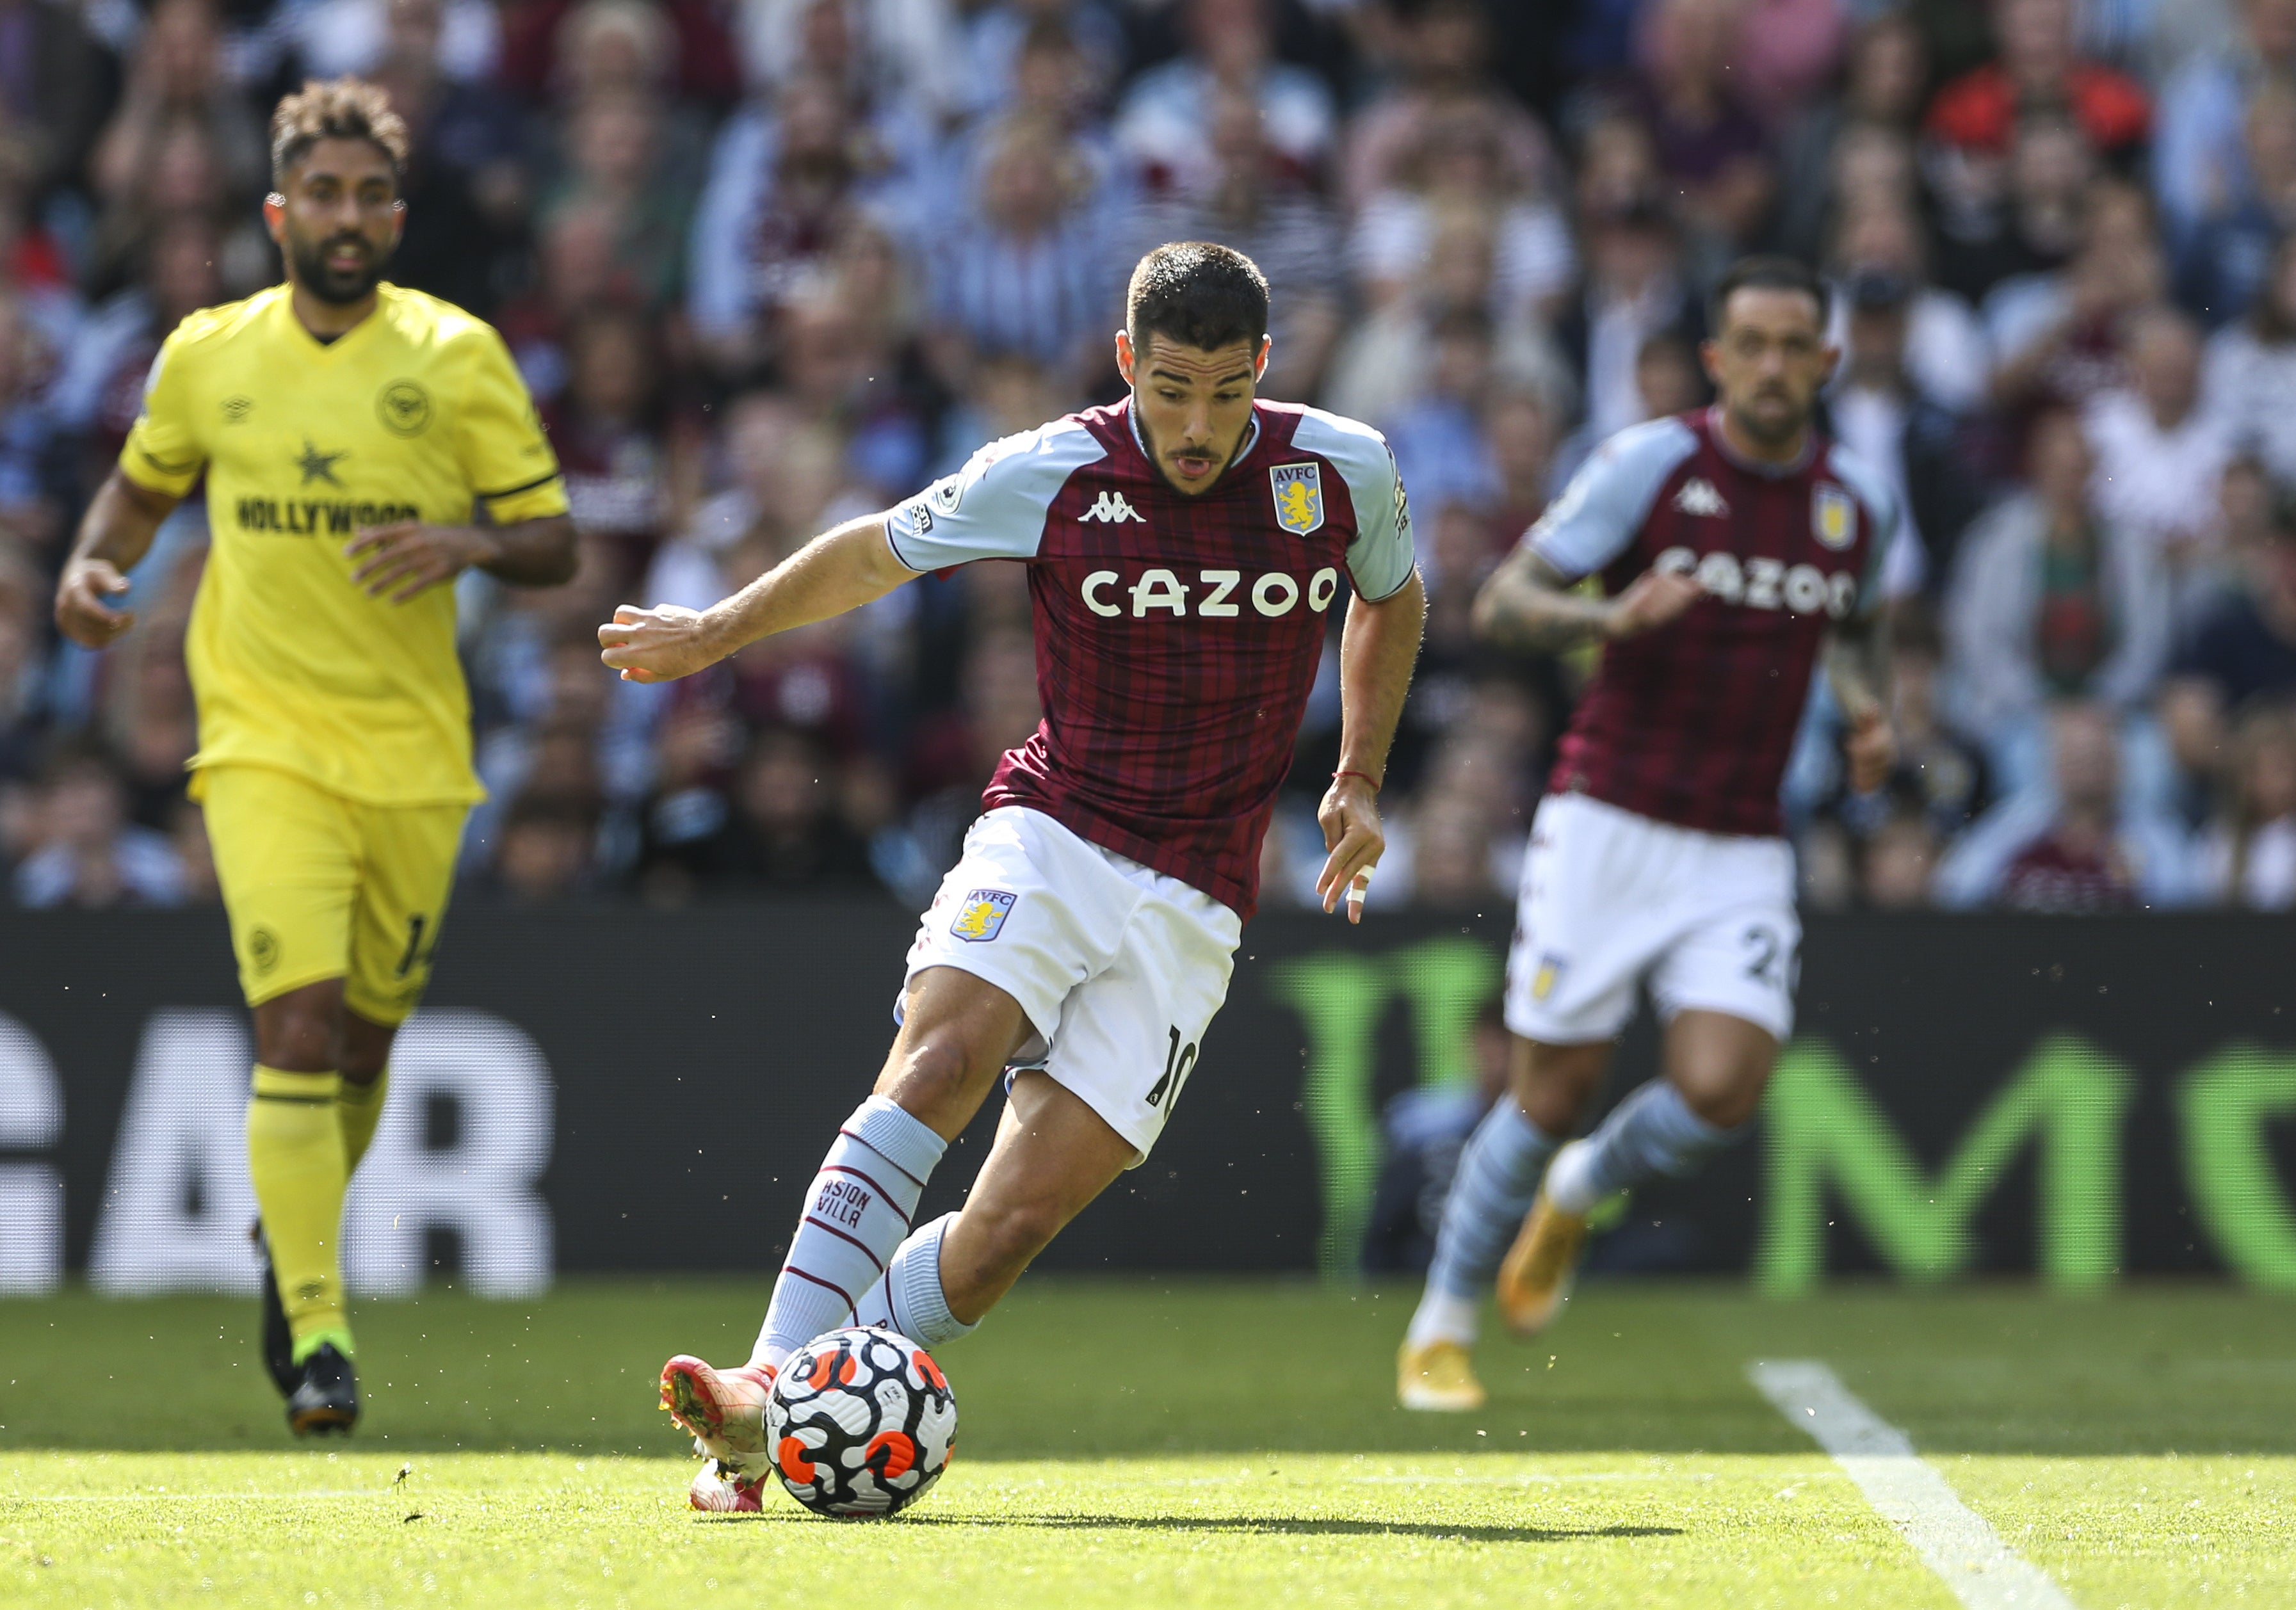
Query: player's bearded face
(1768, 362)
(337, 220)
(1193, 406)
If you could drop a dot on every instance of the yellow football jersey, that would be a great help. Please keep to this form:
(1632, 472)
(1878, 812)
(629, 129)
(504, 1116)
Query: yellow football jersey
(415, 413)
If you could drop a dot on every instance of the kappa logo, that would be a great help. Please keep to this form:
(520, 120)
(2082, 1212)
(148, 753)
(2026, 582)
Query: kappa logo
(983, 914)
(1698, 497)
(1111, 508)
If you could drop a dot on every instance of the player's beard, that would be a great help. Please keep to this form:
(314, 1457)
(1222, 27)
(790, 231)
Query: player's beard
(1773, 427)
(1167, 466)
(333, 285)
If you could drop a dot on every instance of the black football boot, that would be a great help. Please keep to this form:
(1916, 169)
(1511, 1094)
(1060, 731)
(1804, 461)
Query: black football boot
(278, 1340)
(326, 1397)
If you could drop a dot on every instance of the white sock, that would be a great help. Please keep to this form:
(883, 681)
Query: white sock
(910, 1298)
(1441, 1317)
(1652, 1132)
(856, 1212)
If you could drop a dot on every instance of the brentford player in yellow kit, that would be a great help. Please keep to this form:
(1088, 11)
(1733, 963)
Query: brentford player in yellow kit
(362, 446)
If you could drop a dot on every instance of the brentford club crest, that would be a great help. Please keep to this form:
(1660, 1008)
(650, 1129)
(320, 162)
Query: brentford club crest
(1299, 491)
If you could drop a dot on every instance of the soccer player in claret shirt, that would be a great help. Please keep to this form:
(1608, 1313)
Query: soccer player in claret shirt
(1736, 546)
(1185, 548)
(350, 432)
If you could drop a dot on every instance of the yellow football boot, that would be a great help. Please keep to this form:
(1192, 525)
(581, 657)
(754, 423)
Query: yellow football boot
(1439, 1377)
(1535, 1279)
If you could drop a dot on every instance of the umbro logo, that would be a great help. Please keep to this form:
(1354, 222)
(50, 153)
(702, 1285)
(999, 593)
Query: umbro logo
(1111, 507)
(1698, 497)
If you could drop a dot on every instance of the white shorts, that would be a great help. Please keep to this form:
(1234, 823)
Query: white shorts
(1610, 897)
(1119, 970)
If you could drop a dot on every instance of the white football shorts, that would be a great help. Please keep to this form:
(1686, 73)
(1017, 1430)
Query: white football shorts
(1119, 970)
(1611, 898)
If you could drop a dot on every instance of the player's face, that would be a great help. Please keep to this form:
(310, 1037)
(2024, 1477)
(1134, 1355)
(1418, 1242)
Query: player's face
(1193, 405)
(1768, 360)
(336, 217)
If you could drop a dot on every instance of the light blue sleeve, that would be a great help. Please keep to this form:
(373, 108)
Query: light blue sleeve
(1596, 517)
(1380, 557)
(1886, 511)
(994, 507)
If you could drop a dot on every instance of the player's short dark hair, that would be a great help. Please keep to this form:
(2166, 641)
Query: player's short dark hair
(1198, 294)
(336, 109)
(1766, 273)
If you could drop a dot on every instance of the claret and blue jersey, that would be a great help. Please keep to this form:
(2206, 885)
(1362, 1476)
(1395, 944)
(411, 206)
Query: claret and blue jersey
(1694, 722)
(1177, 636)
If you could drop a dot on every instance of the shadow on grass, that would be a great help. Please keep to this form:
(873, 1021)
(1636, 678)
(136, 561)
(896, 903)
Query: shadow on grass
(1276, 1526)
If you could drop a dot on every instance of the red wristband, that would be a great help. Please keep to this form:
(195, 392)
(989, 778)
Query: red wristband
(1367, 776)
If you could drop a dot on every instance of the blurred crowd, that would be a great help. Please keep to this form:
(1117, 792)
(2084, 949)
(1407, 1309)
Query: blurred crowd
(767, 264)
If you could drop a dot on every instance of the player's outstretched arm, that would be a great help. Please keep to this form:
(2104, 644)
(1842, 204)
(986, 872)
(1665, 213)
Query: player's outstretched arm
(1378, 647)
(839, 570)
(1528, 604)
(114, 535)
(1858, 666)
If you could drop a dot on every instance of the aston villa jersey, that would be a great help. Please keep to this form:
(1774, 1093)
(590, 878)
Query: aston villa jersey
(1693, 723)
(1176, 637)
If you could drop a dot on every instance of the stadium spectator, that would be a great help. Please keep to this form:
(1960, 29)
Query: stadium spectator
(2076, 845)
(52, 73)
(24, 712)
(2199, 169)
(1258, 205)
(2223, 264)
(1883, 415)
(87, 852)
(29, 466)
(1025, 271)
(2240, 655)
(1451, 856)
(2040, 222)
(1900, 860)
(613, 437)
(544, 39)
(1887, 69)
(618, 164)
(2036, 64)
(99, 384)
(1443, 50)
(2056, 336)
(996, 40)
(2248, 380)
(461, 38)
(2051, 601)
(466, 185)
(787, 831)
(2155, 446)
(1164, 125)
(546, 851)
(1522, 429)
(1458, 164)
(1636, 287)
(2249, 854)
(1713, 151)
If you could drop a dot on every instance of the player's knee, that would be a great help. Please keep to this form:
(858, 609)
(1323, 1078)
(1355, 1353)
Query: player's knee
(302, 1031)
(940, 1078)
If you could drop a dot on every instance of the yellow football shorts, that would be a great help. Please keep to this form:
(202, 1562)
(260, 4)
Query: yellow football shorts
(319, 885)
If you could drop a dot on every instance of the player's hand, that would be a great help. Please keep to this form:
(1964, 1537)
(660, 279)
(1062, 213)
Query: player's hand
(661, 644)
(81, 613)
(402, 560)
(1355, 840)
(1872, 749)
(1651, 601)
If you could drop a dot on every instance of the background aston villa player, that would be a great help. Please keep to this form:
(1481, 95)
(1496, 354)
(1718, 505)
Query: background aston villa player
(1735, 546)
(1185, 548)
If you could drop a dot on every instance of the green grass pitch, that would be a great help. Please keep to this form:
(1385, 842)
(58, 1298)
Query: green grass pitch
(1165, 1443)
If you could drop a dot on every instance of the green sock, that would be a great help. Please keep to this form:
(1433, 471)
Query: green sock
(295, 1157)
(358, 1108)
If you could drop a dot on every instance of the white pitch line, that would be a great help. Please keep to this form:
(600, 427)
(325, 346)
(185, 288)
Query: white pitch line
(1953, 1540)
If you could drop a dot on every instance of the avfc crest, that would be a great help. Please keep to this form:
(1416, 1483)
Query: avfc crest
(1834, 517)
(1299, 491)
(980, 917)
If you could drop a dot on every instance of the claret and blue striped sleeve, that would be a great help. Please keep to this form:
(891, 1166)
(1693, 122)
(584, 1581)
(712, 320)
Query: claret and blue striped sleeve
(1598, 514)
(994, 507)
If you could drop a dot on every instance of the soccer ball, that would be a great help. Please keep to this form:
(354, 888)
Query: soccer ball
(861, 1423)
